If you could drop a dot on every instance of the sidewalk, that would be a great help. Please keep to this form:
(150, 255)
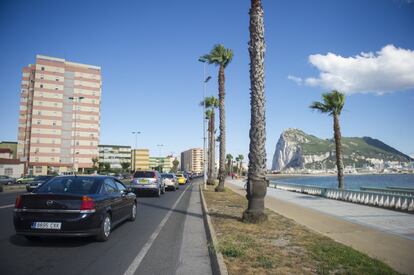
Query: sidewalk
(383, 234)
(194, 255)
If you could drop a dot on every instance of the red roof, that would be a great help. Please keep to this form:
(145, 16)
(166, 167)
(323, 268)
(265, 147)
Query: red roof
(9, 161)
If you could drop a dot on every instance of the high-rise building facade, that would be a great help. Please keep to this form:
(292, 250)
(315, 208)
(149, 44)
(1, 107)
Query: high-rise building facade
(59, 119)
(115, 155)
(192, 160)
(140, 159)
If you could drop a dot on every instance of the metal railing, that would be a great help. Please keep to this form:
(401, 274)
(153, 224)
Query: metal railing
(372, 198)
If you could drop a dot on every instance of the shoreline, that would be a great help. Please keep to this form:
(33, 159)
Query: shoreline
(289, 176)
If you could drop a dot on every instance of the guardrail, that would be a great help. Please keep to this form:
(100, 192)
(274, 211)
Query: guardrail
(378, 199)
(392, 191)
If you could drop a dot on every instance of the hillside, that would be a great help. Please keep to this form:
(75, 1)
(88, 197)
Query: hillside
(297, 149)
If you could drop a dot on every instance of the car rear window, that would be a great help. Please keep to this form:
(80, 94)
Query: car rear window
(169, 176)
(144, 174)
(71, 185)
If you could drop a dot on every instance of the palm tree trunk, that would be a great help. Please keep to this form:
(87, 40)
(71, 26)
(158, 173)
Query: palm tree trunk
(256, 181)
(222, 127)
(210, 179)
(338, 151)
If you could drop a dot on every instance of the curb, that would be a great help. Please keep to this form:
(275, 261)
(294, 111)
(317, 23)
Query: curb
(217, 262)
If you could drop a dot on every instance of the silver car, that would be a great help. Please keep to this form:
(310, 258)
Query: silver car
(147, 181)
(170, 181)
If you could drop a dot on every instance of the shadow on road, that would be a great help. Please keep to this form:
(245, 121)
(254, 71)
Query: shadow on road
(174, 210)
(51, 241)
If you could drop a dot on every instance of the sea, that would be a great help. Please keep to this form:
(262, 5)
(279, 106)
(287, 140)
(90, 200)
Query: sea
(354, 182)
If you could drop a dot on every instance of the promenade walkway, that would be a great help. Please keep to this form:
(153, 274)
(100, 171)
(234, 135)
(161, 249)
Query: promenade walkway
(383, 234)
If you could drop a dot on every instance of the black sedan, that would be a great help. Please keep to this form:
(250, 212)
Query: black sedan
(37, 181)
(74, 206)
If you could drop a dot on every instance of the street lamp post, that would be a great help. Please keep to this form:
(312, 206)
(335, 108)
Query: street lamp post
(74, 98)
(159, 154)
(205, 80)
(136, 133)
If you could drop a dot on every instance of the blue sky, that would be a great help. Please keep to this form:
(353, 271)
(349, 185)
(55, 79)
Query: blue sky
(152, 82)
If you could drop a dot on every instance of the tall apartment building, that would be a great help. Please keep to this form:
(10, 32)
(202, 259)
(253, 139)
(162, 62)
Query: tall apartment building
(140, 159)
(59, 121)
(115, 155)
(192, 160)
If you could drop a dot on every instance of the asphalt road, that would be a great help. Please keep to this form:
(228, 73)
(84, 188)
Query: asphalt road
(85, 256)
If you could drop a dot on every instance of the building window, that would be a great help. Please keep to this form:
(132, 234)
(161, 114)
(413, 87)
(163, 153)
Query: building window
(8, 171)
(37, 160)
(42, 77)
(91, 143)
(38, 122)
(54, 123)
(39, 113)
(38, 169)
(57, 79)
(56, 88)
(52, 159)
(40, 103)
(77, 143)
(41, 85)
(53, 149)
(43, 68)
(53, 141)
(55, 104)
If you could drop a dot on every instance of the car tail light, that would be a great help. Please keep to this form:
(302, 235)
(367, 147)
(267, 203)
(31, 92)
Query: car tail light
(87, 203)
(18, 203)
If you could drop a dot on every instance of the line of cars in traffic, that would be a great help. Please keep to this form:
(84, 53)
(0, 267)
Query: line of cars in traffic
(76, 205)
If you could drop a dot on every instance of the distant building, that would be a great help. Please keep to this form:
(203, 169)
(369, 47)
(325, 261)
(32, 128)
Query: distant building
(59, 118)
(12, 145)
(164, 162)
(140, 159)
(115, 155)
(11, 167)
(6, 153)
(8, 165)
(192, 160)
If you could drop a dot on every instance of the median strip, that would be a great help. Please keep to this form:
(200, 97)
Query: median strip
(138, 259)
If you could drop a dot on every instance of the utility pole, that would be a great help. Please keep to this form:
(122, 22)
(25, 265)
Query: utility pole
(136, 133)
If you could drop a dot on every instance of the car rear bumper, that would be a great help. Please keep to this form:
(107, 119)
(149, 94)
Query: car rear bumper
(71, 224)
(145, 188)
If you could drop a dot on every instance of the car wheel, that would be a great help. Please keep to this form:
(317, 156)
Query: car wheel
(18, 182)
(133, 212)
(105, 229)
(9, 183)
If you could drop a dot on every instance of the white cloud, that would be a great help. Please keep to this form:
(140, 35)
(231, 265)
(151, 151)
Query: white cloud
(389, 70)
(298, 80)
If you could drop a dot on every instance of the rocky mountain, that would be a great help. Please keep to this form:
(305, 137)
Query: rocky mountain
(296, 149)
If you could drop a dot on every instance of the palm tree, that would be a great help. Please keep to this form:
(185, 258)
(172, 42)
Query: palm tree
(125, 166)
(256, 180)
(237, 164)
(333, 104)
(94, 162)
(211, 103)
(241, 158)
(220, 56)
(229, 158)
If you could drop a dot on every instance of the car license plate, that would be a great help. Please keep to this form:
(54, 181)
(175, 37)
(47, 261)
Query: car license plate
(47, 225)
(144, 181)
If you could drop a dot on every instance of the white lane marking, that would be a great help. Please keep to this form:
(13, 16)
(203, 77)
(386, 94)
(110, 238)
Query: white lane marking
(138, 259)
(6, 206)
